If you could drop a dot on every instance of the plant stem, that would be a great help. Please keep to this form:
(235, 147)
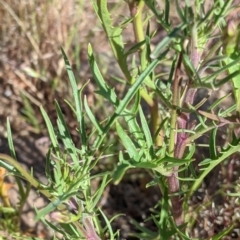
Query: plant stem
(155, 122)
(173, 182)
(136, 9)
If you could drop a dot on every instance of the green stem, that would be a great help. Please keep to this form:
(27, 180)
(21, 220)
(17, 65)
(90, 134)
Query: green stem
(136, 9)
(155, 122)
(139, 34)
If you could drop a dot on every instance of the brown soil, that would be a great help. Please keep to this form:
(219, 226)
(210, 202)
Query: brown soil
(31, 143)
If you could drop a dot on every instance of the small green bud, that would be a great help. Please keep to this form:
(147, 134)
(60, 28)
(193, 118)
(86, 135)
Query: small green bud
(231, 28)
(230, 37)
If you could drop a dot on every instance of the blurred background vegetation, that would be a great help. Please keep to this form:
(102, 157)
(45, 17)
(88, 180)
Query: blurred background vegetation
(32, 71)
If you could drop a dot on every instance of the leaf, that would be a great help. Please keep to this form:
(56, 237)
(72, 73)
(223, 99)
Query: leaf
(92, 117)
(212, 144)
(104, 89)
(205, 161)
(120, 170)
(167, 40)
(135, 87)
(99, 193)
(127, 142)
(222, 69)
(223, 233)
(218, 101)
(190, 70)
(180, 11)
(145, 233)
(10, 140)
(160, 16)
(146, 129)
(135, 48)
(168, 159)
(146, 165)
(214, 117)
(121, 109)
(77, 100)
(108, 223)
(51, 132)
(114, 35)
(130, 119)
(48, 167)
(54, 204)
(65, 136)
(212, 164)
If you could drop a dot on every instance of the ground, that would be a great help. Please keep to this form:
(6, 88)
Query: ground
(21, 53)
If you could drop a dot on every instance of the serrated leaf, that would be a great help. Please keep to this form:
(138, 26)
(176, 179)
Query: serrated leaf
(104, 89)
(128, 97)
(212, 164)
(130, 118)
(114, 35)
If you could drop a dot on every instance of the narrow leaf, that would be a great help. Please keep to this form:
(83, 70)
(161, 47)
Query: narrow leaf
(65, 135)
(126, 141)
(51, 132)
(99, 193)
(104, 89)
(167, 40)
(146, 129)
(77, 99)
(92, 117)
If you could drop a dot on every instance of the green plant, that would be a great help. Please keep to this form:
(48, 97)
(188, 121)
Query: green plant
(163, 143)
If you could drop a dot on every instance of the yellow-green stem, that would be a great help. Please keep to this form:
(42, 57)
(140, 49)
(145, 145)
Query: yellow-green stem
(175, 103)
(155, 122)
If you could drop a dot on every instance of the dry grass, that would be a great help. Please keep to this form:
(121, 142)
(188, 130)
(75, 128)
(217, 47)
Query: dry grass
(31, 34)
(32, 70)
